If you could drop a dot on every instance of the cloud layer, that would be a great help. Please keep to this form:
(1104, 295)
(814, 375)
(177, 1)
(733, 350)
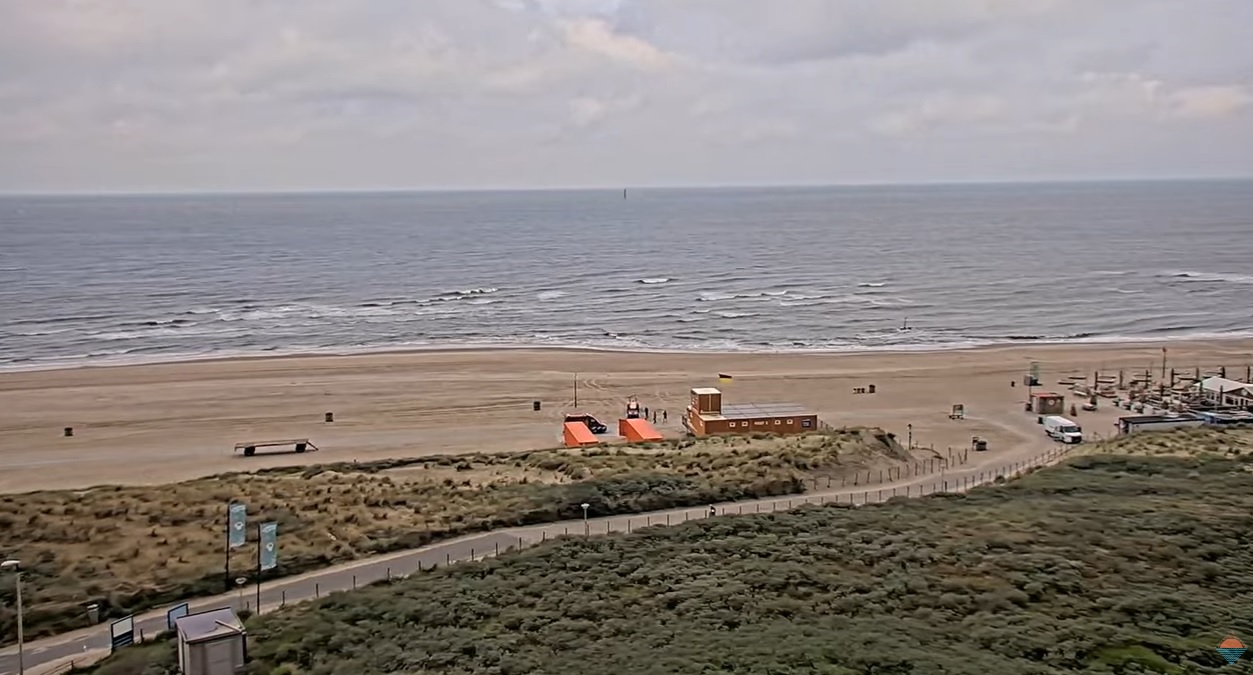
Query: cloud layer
(317, 94)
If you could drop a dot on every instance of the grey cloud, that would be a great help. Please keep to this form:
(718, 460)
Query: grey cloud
(258, 94)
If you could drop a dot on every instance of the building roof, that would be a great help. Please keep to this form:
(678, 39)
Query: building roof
(752, 411)
(1152, 419)
(1225, 385)
(208, 625)
(705, 391)
(1227, 415)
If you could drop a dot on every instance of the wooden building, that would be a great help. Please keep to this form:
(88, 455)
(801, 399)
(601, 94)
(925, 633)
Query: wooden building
(1047, 403)
(707, 416)
(1220, 391)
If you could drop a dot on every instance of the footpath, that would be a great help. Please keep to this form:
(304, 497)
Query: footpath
(58, 654)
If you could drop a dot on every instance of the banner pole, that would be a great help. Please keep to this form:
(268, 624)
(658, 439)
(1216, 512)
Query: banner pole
(228, 547)
(260, 547)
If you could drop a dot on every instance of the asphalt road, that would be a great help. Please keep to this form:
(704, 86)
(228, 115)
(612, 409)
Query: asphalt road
(53, 654)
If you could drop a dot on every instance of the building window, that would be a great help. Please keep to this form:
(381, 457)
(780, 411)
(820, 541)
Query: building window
(759, 422)
(731, 424)
(805, 423)
(778, 421)
(791, 422)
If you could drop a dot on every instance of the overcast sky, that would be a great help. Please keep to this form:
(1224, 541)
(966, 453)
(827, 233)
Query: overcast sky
(137, 95)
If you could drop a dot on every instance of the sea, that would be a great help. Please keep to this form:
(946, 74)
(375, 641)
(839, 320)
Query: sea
(87, 280)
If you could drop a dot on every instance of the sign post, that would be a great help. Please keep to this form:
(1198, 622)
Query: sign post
(175, 613)
(236, 520)
(121, 633)
(267, 553)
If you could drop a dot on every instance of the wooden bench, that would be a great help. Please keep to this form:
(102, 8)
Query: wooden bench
(250, 447)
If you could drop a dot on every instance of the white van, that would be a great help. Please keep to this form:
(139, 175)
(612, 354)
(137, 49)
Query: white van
(1062, 429)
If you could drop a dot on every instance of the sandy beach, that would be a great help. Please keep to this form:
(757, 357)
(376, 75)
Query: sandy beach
(160, 423)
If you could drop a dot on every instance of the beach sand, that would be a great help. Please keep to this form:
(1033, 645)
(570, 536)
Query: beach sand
(148, 424)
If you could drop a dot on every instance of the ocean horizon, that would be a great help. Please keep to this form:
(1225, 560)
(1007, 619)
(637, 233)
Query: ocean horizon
(111, 279)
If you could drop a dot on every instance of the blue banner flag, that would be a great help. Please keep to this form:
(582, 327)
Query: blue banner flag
(269, 546)
(238, 520)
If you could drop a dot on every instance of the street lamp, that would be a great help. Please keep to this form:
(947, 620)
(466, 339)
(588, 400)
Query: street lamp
(17, 573)
(910, 427)
(587, 531)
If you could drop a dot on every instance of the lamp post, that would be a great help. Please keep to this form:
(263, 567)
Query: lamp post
(910, 427)
(17, 573)
(587, 531)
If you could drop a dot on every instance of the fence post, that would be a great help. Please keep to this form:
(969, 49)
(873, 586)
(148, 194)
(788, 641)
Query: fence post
(447, 558)
(742, 506)
(419, 564)
(880, 494)
(628, 526)
(354, 582)
(543, 535)
(667, 520)
(317, 590)
(497, 548)
(282, 598)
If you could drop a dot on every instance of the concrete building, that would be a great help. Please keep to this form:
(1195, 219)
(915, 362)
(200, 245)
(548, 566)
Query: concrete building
(211, 643)
(707, 416)
(1223, 392)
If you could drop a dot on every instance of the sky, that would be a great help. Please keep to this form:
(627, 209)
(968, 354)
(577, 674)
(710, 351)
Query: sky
(257, 95)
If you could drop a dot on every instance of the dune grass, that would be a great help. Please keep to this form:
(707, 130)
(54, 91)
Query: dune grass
(1114, 562)
(134, 548)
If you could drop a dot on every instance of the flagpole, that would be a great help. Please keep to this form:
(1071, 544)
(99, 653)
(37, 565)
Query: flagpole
(260, 547)
(228, 547)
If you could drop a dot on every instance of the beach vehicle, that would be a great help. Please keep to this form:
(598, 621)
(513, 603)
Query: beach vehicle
(633, 408)
(978, 444)
(592, 423)
(1062, 429)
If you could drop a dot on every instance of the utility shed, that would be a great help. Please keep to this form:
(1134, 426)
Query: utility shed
(211, 643)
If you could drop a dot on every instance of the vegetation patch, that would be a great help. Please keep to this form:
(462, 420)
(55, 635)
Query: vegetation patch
(134, 548)
(1107, 564)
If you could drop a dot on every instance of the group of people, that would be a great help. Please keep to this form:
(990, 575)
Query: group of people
(664, 416)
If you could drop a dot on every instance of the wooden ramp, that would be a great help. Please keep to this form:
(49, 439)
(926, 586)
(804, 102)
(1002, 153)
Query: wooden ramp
(577, 435)
(298, 445)
(637, 430)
